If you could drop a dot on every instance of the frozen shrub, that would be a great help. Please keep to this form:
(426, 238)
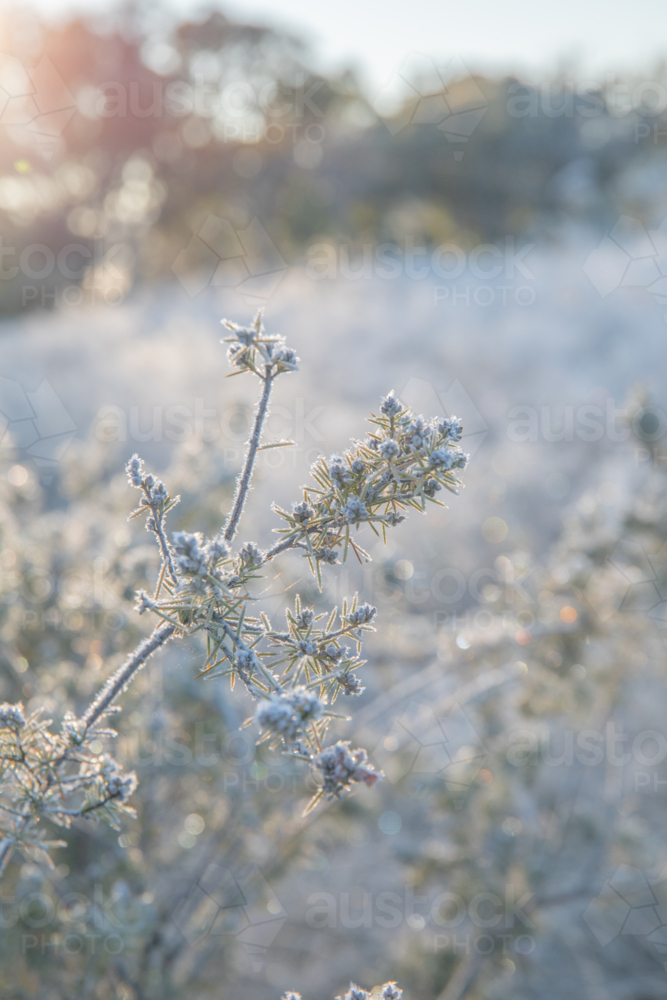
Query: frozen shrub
(390, 991)
(296, 672)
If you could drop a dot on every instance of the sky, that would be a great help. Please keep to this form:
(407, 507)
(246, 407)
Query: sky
(531, 37)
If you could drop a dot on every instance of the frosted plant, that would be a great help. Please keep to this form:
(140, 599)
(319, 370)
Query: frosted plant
(43, 772)
(390, 991)
(294, 672)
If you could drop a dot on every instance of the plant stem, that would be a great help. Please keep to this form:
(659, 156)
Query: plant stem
(5, 853)
(122, 677)
(164, 544)
(288, 543)
(243, 481)
(7, 846)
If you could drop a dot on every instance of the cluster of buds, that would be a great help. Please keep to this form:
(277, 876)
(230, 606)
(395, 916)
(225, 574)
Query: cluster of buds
(339, 767)
(118, 784)
(203, 565)
(287, 715)
(250, 347)
(314, 651)
(12, 716)
(57, 775)
(403, 463)
(156, 502)
(390, 991)
(155, 492)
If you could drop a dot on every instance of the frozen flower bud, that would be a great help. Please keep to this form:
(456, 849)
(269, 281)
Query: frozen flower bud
(73, 728)
(287, 714)
(190, 557)
(305, 618)
(418, 433)
(135, 471)
(393, 518)
(358, 467)
(441, 458)
(327, 556)
(390, 406)
(308, 648)
(431, 486)
(460, 459)
(356, 993)
(362, 615)
(276, 715)
(350, 683)
(339, 767)
(121, 786)
(217, 549)
(333, 652)
(452, 428)
(389, 449)
(245, 342)
(251, 554)
(338, 470)
(390, 991)
(246, 660)
(307, 705)
(159, 493)
(144, 602)
(286, 358)
(12, 715)
(355, 510)
(239, 356)
(197, 585)
(185, 542)
(244, 334)
(302, 512)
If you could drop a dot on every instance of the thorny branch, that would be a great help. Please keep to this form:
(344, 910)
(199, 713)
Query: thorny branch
(294, 673)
